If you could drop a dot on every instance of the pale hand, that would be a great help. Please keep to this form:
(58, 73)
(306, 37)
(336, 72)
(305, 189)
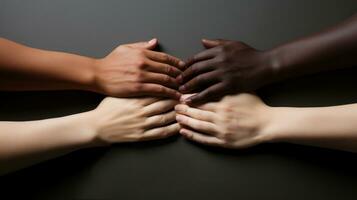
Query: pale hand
(234, 122)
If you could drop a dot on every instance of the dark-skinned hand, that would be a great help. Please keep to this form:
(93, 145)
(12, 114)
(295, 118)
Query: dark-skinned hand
(225, 67)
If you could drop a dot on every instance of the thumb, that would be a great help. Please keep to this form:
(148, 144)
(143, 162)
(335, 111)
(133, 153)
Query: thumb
(212, 43)
(146, 44)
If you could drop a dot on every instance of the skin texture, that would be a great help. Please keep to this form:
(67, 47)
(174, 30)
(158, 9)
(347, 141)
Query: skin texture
(234, 122)
(230, 67)
(243, 120)
(226, 67)
(115, 120)
(136, 70)
(129, 70)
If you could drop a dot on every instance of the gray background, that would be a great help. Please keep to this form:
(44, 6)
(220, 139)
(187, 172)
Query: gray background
(175, 168)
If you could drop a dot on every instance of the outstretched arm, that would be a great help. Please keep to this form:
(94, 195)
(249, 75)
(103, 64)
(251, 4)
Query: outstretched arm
(244, 120)
(332, 127)
(230, 67)
(113, 121)
(130, 70)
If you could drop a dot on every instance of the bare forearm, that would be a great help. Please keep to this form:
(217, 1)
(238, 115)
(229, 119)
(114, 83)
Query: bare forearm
(333, 48)
(25, 68)
(26, 143)
(115, 120)
(331, 127)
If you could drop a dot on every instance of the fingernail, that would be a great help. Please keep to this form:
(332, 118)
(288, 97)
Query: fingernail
(181, 63)
(178, 118)
(182, 88)
(188, 100)
(182, 132)
(179, 79)
(182, 99)
(152, 41)
(179, 108)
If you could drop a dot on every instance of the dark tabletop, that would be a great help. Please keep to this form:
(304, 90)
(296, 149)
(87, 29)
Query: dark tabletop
(175, 168)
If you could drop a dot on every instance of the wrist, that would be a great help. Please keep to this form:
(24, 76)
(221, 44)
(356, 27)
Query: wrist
(86, 76)
(270, 129)
(274, 63)
(87, 129)
(94, 84)
(287, 124)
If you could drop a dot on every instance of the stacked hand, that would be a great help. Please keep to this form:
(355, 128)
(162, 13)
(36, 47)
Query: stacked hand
(234, 122)
(210, 116)
(118, 120)
(134, 70)
(226, 67)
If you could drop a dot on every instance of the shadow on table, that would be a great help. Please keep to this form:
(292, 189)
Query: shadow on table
(41, 179)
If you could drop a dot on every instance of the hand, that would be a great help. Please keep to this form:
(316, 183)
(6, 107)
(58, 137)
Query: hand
(234, 122)
(135, 70)
(226, 67)
(118, 120)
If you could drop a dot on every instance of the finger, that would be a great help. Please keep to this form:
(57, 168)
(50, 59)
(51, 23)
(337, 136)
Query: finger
(147, 100)
(201, 138)
(203, 55)
(208, 107)
(195, 113)
(195, 69)
(219, 42)
(199, 125)
(151, 89)
(161, 79)
(162, 132)
(159, 107)
(165, 58)
(162, 68)
(207, 43)
(203, 80)
(206, 95)
(160, 120)
(145, 45)
(186, 96)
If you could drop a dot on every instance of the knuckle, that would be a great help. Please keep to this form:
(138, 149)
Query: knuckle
(222, 58)
(162, 120)
(162, 132)
(142, 65)
(166, 57)
(191, 136)
(226, 136)
(184, 109)
(192, 70)
(194, 58)
(165, 133)
(139, 76)
(161, 89)
(166, 78)
(140, 62)
(198, 79)
(168, 69)
(140, 52)
(138, 87)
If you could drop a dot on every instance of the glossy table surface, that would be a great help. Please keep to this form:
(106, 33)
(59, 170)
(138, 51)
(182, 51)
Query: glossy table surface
(176, 168)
